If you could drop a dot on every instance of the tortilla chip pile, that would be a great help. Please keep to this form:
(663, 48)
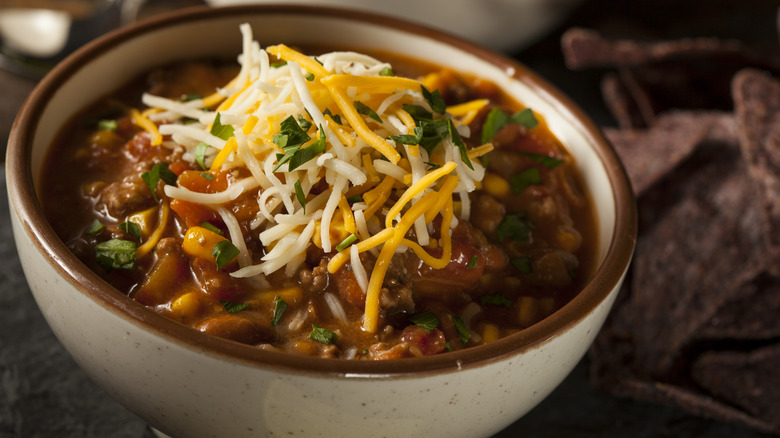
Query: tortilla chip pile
(698, 322)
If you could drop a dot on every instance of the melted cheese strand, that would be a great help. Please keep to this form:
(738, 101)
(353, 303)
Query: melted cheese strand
(371, 316)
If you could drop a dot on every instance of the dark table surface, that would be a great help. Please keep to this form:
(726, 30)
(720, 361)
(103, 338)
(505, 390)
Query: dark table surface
(44, 394)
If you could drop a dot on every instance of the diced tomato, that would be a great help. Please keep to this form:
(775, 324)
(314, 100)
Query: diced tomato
(196, 181)
(194, 214)
(348, 287)
(466, 267)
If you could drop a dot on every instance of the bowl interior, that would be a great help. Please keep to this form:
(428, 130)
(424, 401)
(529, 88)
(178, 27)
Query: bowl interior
(124, 55)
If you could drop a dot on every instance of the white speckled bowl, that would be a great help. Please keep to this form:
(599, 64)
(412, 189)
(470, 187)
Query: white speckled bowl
(185, 383)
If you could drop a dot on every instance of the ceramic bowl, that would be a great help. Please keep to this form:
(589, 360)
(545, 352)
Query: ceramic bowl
(187, 384)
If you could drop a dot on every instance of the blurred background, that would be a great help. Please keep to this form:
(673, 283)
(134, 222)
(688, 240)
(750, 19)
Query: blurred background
(44, 394)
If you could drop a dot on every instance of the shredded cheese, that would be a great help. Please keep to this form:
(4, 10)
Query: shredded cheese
(302, 189)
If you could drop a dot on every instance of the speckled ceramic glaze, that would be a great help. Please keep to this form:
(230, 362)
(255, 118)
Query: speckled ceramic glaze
(187, 384)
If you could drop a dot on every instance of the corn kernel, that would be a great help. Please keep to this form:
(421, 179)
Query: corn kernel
(145, 220)
(290, 295)
(526, 311)
(495, 185)
(200, 242)
(490, 333)
(186, 306)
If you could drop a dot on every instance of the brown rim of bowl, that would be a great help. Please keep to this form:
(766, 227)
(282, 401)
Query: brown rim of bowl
(25, 202)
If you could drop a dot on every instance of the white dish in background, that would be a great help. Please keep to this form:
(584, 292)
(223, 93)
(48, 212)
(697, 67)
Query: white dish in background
(502, 25)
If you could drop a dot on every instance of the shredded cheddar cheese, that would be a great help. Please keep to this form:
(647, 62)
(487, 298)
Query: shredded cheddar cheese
(312, 133)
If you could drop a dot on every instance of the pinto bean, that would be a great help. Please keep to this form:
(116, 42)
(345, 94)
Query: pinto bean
(236, 328)
(428, 343)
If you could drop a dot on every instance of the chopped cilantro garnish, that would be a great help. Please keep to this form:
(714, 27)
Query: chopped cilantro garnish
(366, 111)
(233, 307)
(387, 71)
(528, 177)
(525, 117)
(279, 307)
(200, 155)
(108, 125)
(219, 130)
(496, 300)
(472, 262)
(336, 118)
(207, 176)
(299, 195)
(303, 155)
(210, 227)
(432, 166)
(516, 227)
(323, 335)
(94, 228)
(346, 242)
(426, 320)
(308, 76)
(545, 160)
(455, 137)
(132, 229)
(409, 138)
(463, 333)
(224, 252)
(158, 172)
(303, 123)
(116, 254)
(353, 199)
(497, 119)
(523, 264)
(278, 64)
(291, 139)
(434, 100)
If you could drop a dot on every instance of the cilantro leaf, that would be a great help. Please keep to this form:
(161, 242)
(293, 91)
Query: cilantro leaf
(528, 177)
(426, 320)
(366, 111)
(525, 117)
(412, 139)
(545, 160)
(497, 119)
(132, 229)
(472, 262)
(302, 155)
(455, 137)
(323, 335)
(94, 228)
(434, 100)
(303, 123)
(116, 254)
(279, 307)
(495, 300)
(233, 307)
(200, 155)
(224, 252)
(463, 333)
(516, 227)
(158, 172)
(387, 71)
(207, 176)
(299, 195)
(219, 130)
